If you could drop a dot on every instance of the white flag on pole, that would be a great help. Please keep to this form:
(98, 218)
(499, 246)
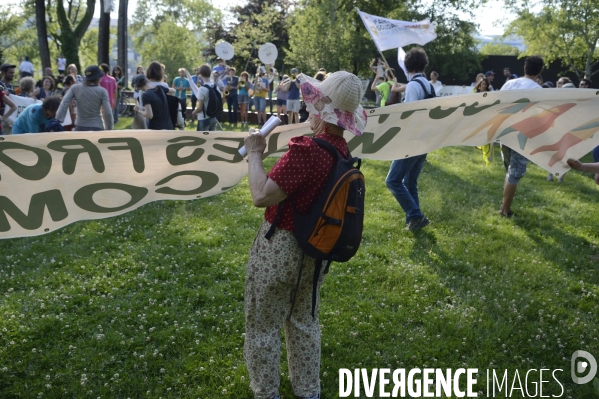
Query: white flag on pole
(390, 33)
(401, 60)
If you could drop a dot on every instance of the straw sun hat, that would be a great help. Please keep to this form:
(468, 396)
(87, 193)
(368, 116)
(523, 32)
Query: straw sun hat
(335, 100)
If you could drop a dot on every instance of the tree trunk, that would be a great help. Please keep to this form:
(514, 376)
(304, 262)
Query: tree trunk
(104, 36)
(71, 38)
(42, 33)
(122, 38)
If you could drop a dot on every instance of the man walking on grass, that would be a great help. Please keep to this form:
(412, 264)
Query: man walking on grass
(402, 179)
(514, 161)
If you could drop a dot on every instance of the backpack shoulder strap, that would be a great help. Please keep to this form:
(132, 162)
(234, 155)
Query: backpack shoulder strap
(205, 107)
(426, 93)
(327, 146)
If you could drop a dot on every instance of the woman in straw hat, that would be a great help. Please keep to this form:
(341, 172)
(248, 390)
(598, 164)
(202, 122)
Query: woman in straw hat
(91, 99)
(274, 265)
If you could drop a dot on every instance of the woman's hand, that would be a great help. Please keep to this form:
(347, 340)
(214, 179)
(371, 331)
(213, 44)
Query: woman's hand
(254, 142)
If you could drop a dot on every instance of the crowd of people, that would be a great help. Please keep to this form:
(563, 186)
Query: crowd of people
(263, 90)
(90, 100)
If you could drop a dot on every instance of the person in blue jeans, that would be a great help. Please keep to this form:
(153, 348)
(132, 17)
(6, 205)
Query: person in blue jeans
(402, 179)
(232, 82)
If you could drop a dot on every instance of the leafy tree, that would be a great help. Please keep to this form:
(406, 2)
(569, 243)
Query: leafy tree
(453, 53)
(169, 31)
(342, 42)
(498, 49)
(258, 22)
(254, 31)
(170, 44)
(73, 22)
(566, 29)
(19, 35)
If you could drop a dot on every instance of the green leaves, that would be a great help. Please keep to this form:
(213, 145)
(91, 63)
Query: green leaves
(564, 29)
(171, 32)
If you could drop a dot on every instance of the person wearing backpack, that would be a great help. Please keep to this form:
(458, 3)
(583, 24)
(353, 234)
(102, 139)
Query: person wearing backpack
(210, 103)
(402, 179)
(155, 103)
(280, 276)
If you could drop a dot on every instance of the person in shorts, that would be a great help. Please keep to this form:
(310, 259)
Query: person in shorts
(293, 98)
(516, 162)
(260, 94)
(243, 97)
(282, 99)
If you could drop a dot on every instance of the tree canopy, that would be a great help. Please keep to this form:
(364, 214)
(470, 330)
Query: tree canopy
(566, 29)
(330, 34)
(171, 31)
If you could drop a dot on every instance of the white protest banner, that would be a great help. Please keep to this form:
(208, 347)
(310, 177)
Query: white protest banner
(50, 180)
(454, 90)
(390, 33)
(24, 102)
(21, 103)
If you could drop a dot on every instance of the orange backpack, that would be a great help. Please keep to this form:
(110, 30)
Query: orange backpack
(332, 229)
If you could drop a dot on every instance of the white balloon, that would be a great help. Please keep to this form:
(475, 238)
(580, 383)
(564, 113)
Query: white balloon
(268, 53)
(224, 50)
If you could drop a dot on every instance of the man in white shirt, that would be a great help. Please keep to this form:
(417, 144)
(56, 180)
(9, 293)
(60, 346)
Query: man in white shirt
(26, 68)
(61, 62)
(513, 161)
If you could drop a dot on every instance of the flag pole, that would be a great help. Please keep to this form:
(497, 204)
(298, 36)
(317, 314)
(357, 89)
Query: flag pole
(386, 63)
(377, 46)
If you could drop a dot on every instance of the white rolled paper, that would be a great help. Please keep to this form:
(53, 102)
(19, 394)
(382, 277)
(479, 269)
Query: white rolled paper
(268, 127)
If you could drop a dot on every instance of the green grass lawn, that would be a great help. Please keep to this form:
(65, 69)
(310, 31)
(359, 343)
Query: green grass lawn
(150, 304)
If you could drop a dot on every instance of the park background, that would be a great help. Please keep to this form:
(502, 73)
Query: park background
(150, 303)
(308, 34)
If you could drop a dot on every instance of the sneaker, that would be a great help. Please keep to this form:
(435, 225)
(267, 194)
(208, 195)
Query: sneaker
(560, 179)
(550, 177)
(506, 215)
(417, 223)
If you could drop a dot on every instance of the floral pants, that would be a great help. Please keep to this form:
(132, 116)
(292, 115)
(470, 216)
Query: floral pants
(270, 286)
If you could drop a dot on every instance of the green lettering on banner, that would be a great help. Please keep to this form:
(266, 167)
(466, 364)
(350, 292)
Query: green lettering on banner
(69, 161)
(383, 118)
(84, 197)
(209, 181)
(133, 145)
(407, 114)
(35, 172)
(35, 217)
(234, 151)
(172, 151)
(438, 113)
(473, 110)
(369, 146)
